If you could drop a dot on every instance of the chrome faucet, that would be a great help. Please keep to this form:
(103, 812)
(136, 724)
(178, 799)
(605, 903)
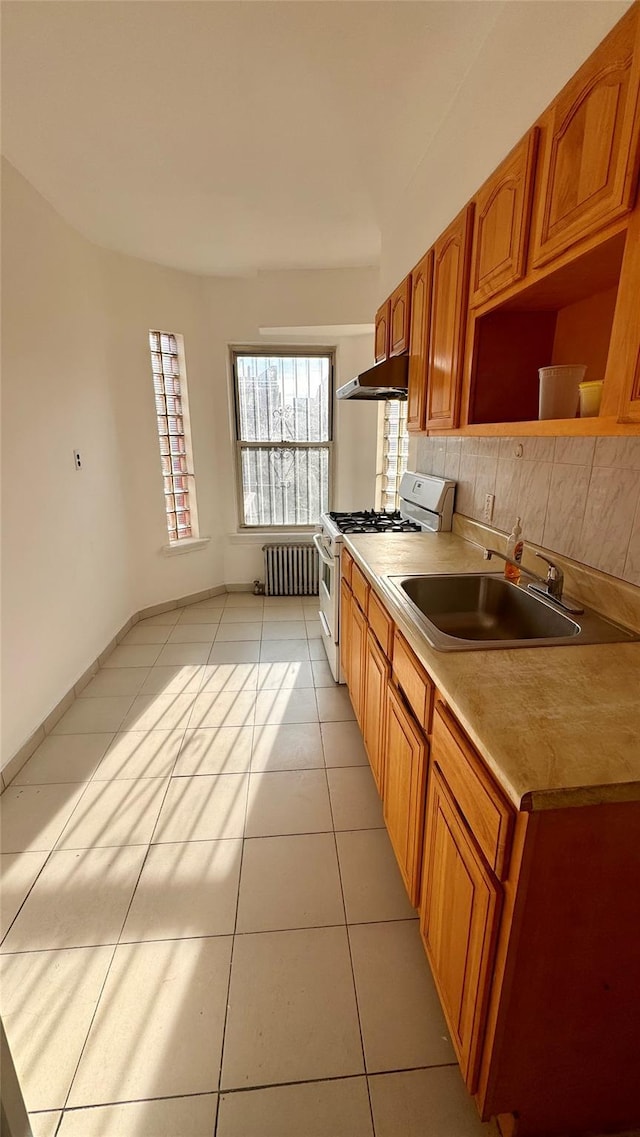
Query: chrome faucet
(550, 586)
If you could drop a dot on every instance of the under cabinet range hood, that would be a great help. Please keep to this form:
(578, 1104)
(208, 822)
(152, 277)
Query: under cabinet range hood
(386, 380)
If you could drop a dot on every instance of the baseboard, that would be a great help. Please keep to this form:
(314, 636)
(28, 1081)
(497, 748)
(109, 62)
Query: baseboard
(23, 754)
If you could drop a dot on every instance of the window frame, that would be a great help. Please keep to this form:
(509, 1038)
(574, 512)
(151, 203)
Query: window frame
(278, 351)
(382, 475)
(190, 475)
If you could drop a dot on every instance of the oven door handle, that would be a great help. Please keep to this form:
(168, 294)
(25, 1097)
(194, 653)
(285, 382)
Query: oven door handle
(325, 626)
(317, 540)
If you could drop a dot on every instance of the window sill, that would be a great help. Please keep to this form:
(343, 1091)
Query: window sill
(257, 536)
(189, 545)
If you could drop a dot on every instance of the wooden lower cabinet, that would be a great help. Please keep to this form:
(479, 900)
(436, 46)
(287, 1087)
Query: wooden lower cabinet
(405, 779)
(459, 914)
(376, 673)
(528, 918)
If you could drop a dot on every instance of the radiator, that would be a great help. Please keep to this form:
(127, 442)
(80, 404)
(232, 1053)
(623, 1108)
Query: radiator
(290, 570)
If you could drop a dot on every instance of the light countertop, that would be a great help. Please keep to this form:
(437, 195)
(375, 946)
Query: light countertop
(557, 726)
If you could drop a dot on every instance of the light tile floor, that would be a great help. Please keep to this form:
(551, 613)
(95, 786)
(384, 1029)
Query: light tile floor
(205, 929)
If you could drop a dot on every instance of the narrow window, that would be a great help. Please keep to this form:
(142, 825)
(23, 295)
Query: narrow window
(172, 411)
(394, 447)
(283, 435)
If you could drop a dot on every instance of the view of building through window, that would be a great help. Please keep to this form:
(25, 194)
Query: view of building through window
(283, 421)
(170, 391)
(395, 449)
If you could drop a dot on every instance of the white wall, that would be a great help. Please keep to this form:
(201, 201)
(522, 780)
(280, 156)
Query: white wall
(66, 565)
(534, 47)
(82, 551)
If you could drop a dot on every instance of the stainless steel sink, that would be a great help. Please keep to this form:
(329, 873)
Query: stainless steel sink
(483, 610)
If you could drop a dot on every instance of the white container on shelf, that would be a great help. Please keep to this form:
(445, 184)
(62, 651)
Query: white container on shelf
(559, 388)
(590, 398)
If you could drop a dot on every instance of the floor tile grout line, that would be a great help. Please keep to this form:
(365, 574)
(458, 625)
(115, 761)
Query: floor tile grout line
(244, 1089)
(211, 935)
(233, 941)
(353, 974)
(113, 954)
(53, 849)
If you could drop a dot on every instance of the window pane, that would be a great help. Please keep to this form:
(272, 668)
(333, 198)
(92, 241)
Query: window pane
(165, 366)
(395, 452)
(283, 398)
(284, 487)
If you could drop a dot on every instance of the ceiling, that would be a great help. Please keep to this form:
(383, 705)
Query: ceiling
(226, 137)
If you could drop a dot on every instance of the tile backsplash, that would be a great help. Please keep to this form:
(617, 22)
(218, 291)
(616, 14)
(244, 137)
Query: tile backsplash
(577, 496)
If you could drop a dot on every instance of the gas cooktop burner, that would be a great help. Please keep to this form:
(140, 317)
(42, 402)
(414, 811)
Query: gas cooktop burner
(373, 521)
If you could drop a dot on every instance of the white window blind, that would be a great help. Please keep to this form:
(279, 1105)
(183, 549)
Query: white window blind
(169, 386)
(395, 449)
(283, 422)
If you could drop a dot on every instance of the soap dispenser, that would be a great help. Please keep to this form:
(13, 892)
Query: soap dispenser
(515, 546)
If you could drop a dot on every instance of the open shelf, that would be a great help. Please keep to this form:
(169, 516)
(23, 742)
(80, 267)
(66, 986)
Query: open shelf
(550, 427)
(564, 318)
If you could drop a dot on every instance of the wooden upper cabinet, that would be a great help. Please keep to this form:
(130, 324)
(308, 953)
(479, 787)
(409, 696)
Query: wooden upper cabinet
(421, 283)
(448, 322)
(459, 911)
(589, 146)
(405, 778)
(383, 320)
(399, 316)
(501, 225)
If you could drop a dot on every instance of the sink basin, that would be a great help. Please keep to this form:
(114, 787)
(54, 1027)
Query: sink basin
(483, 610)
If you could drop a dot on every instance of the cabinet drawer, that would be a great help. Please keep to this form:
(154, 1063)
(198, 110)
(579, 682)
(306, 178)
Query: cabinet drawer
(360, 587)
(486, 811)
(346, 566)
(381, 624)
(414, 681)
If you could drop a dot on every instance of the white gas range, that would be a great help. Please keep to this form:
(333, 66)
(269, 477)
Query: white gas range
(426, 505)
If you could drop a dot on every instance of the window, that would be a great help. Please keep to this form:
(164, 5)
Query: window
(172, 411)
(395, 449)
(284, 428)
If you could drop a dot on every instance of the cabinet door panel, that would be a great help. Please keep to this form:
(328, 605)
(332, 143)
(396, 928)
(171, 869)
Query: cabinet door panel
(374, 708)
(421, 284)
(501, 227)
(404, 790)
(459, 913)
(357, 650)
(448, 322)
(345, 628)
(590, 145)
(621, 394)
(382, 331)
(400, 308)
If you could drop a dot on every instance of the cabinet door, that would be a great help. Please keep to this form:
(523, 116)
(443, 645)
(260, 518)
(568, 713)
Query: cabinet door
(357, 654)
(405, 778)
(382, 331)
(589, 146)
(374, 706)
(346, 600)
(621, 394)
(501, 225)
(459, 912)
(399, 315)
(448, 322)
(421, 283)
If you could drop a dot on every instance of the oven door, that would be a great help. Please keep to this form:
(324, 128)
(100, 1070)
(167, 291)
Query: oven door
(329, 600)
